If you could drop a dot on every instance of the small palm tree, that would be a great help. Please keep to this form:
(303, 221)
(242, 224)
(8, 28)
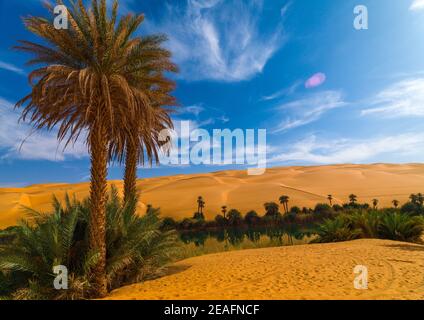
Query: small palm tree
(200, 204)
(395, 203)
(330, 199)
(374, 203)
(353, 199)
(224, 210)
(284, 200)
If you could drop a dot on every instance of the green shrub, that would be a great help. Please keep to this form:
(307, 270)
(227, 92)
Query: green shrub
(366, 221)
(401, 227)
(137, 249)
(336, 230)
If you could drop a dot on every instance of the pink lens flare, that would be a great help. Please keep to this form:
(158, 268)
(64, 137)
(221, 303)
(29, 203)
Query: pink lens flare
(315, 81)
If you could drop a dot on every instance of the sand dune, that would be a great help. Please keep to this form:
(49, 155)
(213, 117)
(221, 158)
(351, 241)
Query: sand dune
(176, 195)
(321, 271)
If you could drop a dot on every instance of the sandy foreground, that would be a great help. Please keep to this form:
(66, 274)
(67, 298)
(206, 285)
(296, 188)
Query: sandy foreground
(176, 195)
(319, 271)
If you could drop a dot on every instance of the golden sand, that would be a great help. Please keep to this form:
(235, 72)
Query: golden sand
(176, 195)
(319, 271)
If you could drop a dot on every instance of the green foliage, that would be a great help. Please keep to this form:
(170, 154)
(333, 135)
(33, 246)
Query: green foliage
(272, 210)
(137, 249)
(220, 220)
(382, 224)
(234, 217)
(367, 222)
(323, 210)
(401, 227)
(198, 216)
(251, 217)
(336, 230)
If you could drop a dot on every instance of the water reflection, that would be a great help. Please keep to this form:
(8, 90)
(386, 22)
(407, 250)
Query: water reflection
(237, 237)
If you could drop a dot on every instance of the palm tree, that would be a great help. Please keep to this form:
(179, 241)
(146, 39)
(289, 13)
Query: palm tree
(284, 200)
(224, 210)
(374, 203)
(86, 84)
(352, 199)
(200, 204)
(330, 199)
(395, 203)
(271, 209)
(144, 142)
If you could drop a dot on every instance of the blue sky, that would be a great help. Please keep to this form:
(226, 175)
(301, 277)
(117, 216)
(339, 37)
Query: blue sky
(326, 92)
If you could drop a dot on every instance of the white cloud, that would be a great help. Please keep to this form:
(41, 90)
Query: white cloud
(417, 5)
(313, 150)
(217, 39)
(309, 109)
(405, 98)
(193, 109)
(283, 92)
(11, 67)
(18, 142)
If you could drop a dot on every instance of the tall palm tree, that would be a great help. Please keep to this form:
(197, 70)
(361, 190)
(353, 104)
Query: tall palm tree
(374, 203)
(330, 199)
(85, 84)
(152, 61)
(284, 200)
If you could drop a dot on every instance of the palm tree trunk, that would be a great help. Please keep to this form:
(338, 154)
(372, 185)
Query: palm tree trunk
(130, 177)
(98, 196)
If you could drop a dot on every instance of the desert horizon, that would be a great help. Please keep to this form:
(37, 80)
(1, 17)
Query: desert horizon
(176, 195)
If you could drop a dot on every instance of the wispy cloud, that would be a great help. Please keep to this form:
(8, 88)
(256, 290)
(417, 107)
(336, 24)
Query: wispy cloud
(218, 40)
(309, 109)
(12, 68)
(193, 109)
(18, 142)
(320, 151)
(417, 5)
(283, 92)
(404, 98)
